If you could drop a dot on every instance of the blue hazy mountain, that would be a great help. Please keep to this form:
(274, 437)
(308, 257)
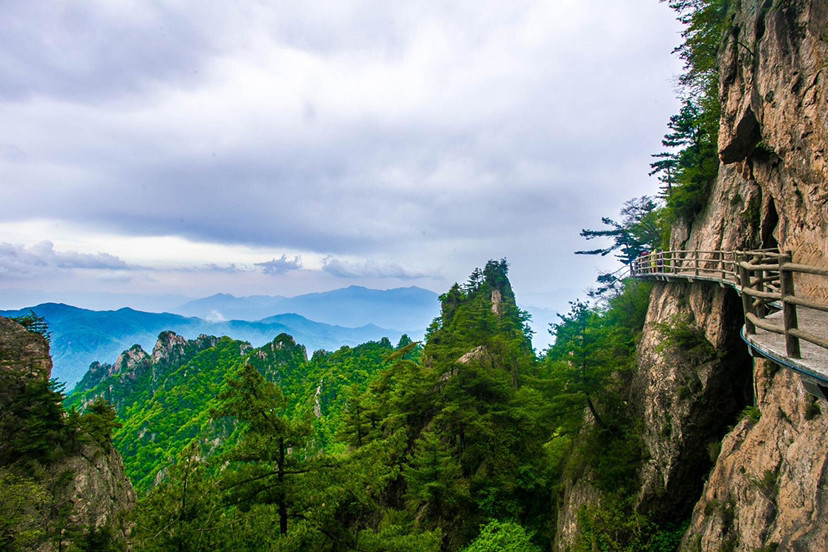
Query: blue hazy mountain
(408, 308)
(80, 336)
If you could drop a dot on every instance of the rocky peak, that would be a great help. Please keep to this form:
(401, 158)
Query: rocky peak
(131, 362)
(168, 346)
(767, 491)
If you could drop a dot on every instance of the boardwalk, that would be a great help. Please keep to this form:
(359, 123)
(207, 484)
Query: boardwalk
(790, 329)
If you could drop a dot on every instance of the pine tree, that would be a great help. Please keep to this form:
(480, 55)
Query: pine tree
(266, 457)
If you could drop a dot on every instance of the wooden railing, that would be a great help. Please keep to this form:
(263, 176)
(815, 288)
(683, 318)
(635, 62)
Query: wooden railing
(764, 278)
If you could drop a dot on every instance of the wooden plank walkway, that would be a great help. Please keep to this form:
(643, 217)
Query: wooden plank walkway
(764, 279)
(814, 359)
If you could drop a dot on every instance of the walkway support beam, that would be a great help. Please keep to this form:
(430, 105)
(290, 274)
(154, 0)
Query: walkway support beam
(747, 301)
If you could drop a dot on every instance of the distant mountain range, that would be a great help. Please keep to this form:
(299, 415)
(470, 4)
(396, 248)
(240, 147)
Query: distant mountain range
(81, 336)
(402, 308)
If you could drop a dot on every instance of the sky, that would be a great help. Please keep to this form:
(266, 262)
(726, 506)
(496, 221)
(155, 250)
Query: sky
(162, 149)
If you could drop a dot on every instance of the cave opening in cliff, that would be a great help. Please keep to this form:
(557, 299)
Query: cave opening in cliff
(770, 220)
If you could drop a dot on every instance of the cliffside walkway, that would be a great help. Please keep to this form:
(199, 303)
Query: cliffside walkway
(790, 329)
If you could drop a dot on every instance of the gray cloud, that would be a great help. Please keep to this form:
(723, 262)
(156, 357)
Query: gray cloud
(19, 261)
(90, 51)
(429, 134)
(281, 265)
(369, 269)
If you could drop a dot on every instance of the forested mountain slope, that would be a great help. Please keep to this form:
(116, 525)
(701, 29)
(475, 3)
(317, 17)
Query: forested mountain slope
(374, 447)
(165, 398)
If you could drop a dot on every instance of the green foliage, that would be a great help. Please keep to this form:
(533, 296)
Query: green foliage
(767, 484)
(22, 500)
(32, 428)
(682, 334)
(639, 230)
(266, 456)
(36, 435)
(183, 512)
(99, 421)
(615, 526)
(751, 413)
(594, 351)
(690, 165)
(35, 324)
(380, 448)
(503, 536)
(812, 409)
(695, 164)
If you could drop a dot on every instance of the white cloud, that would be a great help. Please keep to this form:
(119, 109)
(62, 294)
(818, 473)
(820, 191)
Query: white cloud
(427, 134)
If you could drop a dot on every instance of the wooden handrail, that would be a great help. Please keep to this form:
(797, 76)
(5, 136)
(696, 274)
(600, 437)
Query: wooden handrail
(763, 277)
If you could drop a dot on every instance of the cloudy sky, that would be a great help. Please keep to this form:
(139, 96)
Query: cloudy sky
(264, 147)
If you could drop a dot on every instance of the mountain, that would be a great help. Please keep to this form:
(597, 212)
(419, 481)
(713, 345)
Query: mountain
(81, 336)
(223, 306)
(408, 308)
(164, 397)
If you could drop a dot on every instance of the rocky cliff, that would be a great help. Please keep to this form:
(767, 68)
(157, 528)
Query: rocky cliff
(78, 490)
(766, 488)
(758, 483)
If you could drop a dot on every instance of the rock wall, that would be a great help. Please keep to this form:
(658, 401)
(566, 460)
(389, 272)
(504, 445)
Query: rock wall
(99, 492)
(88, 482)
(23, 351)
(768, 490)
(763, 487)
(688, 395)
(767, 485)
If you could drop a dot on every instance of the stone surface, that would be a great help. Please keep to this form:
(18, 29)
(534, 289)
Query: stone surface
(23, 351)
(768, 486)
(92, 480)
(771, 192)
(686, 398)
(100, 492)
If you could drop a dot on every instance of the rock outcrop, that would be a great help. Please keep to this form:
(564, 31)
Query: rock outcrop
(766, 485)
(85, 485)
(763, 486)
(99, 493)
(767, 491)
(23, 351)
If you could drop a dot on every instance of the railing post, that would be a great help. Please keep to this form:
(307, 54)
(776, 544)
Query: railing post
(786, 282)
(696, 261)
(759, 303)
(747, 300)
(722, 264)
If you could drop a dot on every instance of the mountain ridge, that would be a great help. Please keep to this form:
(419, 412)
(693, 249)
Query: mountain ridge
(82, 336)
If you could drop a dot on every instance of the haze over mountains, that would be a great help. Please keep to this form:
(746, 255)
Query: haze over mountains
(401, 308)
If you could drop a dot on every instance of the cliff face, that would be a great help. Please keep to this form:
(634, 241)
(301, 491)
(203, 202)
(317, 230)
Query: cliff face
(84, 488)
(22, 351)
(767, 485)
(766, 480)
(99, 492)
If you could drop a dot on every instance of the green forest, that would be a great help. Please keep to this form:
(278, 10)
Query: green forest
(461, 443)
